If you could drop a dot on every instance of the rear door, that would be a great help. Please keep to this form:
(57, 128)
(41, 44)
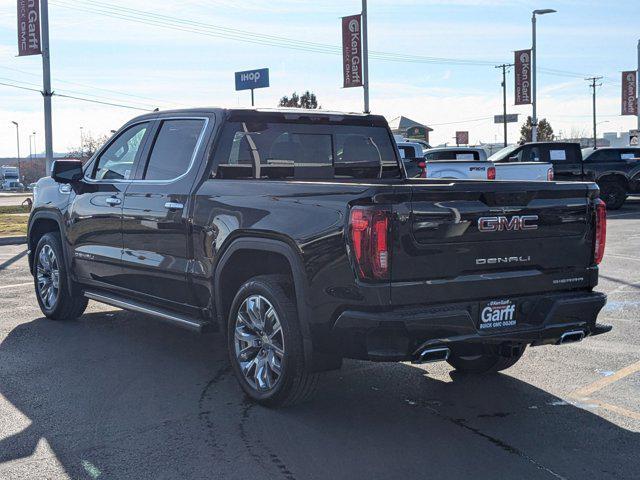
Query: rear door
(484, 240)
(156, 225)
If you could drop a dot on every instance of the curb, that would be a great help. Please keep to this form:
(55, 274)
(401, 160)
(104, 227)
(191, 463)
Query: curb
(13, 240)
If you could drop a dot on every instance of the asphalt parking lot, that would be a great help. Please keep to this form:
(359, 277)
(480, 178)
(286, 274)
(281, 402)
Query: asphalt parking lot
(120, 395)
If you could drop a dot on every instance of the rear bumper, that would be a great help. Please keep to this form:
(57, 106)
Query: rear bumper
(398, 334)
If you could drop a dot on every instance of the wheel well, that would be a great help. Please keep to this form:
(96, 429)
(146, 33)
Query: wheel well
(38, 229)
(243, 265)
(614, 178)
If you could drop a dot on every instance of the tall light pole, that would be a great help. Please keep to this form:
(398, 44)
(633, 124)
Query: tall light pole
(17, 145)
(544, 11)
(35, 145)
(82, 140)
(365, 57)
(638, 96)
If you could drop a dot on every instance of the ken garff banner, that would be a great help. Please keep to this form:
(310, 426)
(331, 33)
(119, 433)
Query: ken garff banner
(629, 100)
(29, 27)
(523, 77)
(352, 51)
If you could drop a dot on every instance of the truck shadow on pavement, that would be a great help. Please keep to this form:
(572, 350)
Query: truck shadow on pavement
(118, 395)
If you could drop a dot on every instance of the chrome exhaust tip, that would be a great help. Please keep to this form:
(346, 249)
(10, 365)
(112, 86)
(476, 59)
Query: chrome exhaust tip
(571, 337)
(430, 355)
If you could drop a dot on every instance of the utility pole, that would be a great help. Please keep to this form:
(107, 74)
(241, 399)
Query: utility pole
(504, 67)
(17, 145)
(593, 86)
(638, 95)
(365, 57)
(46, 83)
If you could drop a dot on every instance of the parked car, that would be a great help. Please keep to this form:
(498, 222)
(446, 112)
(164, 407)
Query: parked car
(472, 163)
(298, 235)
(616, 170)
(12, 186)
(31, 186)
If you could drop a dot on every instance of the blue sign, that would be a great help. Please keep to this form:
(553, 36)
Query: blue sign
(250, 79)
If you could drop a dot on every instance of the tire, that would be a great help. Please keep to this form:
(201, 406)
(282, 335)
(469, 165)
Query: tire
(614, 194)
(50, 281)
(269, 377)
(488, 362)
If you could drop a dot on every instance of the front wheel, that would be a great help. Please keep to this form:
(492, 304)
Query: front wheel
(265, 343)
(50, 278)
(489, 361)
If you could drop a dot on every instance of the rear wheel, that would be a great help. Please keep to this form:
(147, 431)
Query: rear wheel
(50, 278)
(490, 361)
(265, 343)
(614, 194)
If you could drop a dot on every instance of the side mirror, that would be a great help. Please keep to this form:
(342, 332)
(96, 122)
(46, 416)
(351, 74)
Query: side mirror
(67, 171)
(513, 159)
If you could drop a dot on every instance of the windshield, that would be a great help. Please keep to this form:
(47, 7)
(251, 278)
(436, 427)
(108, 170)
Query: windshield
(504, 153)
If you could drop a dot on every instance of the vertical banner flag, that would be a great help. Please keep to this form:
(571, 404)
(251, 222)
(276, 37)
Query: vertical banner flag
(629, 99)
(29, 27)
(523, 77)
(352, 51)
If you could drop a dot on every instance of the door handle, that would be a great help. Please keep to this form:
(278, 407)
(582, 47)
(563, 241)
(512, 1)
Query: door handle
(173, 206)
(113, 201)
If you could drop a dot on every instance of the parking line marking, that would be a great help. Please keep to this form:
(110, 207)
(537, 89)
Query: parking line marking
(616, 409)
(603, 382)
(625, 257)
(16, 285)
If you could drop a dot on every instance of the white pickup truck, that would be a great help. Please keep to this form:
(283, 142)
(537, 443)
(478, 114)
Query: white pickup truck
(471, 163)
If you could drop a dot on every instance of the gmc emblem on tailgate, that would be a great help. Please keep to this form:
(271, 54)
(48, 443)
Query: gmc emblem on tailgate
(516, 222)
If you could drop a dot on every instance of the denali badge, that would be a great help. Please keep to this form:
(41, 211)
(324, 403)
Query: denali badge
(516, 222)
(493, 260)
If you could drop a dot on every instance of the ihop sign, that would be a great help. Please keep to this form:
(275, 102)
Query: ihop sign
(250, 79)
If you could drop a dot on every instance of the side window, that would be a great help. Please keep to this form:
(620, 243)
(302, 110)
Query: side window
(173, 149)
(116, 162)
(604, 156)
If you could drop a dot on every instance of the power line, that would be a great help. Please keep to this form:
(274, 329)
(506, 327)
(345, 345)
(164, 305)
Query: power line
(92, 100)
(93, 87)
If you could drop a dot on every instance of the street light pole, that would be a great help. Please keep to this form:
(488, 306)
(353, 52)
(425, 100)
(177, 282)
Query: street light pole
(534, 120)
(638, 96)
(17, 145)
(365, 57)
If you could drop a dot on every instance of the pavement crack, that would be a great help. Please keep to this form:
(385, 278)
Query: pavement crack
(461, 422)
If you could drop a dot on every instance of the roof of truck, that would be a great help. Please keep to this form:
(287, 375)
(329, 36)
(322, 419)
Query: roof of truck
(264, 111)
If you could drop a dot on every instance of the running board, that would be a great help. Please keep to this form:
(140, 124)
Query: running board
(166, 315)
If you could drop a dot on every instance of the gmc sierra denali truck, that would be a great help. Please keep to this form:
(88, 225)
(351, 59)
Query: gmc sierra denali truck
(615, 170)
(298, 235)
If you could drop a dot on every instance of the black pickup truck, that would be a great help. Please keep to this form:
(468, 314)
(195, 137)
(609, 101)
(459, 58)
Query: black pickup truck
(298, 235)
(615, 170)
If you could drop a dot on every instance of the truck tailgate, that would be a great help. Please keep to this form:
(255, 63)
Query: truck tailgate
(465, 240)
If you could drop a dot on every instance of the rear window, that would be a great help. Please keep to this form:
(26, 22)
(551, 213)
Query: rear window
(460, 155)
(304, 151)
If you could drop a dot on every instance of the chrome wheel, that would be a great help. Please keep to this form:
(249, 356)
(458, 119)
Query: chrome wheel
(48, 277)
(259, 343)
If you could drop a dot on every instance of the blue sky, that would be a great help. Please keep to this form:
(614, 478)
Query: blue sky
(116, 60)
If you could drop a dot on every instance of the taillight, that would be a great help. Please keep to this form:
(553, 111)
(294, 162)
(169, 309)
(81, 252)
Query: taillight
(601, 231)
(423, 167)
(369, 237)
(550, 174)
(491, 173)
